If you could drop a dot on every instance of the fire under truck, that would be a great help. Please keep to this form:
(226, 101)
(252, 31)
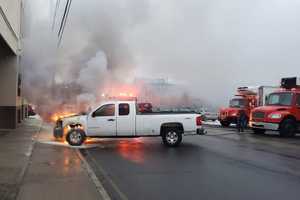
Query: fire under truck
(247, 98)
(281, 112)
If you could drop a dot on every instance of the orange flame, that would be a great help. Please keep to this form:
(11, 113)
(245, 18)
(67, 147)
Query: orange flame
(57, 116)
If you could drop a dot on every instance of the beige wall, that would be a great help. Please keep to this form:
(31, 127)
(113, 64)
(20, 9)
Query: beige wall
(10, 12)
(10, 50)
(8, 83)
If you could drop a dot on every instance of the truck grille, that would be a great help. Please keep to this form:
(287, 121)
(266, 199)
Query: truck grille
(258, 115)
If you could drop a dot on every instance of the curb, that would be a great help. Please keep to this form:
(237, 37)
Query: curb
(104, 195)
(25, 167)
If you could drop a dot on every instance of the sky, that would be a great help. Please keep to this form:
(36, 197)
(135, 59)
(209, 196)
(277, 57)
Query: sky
(210, 46)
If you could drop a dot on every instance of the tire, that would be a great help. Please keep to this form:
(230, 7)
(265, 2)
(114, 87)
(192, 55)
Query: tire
(288, 128)
(172, 137)
(75, 137)
(258, 131)
(225, 123)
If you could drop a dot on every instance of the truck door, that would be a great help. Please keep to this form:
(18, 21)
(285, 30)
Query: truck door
(102, 122)
(126, 120)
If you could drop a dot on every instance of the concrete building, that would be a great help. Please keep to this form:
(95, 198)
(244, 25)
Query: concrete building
(11, 102)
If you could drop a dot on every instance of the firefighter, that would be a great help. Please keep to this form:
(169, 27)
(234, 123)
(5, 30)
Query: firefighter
(241, 121)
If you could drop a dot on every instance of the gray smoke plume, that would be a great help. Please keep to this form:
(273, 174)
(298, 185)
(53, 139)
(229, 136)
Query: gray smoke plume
(210, 46)
(93, 50)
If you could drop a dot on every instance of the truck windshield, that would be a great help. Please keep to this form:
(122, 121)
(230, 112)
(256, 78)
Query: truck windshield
(237, 103)
(280, 99)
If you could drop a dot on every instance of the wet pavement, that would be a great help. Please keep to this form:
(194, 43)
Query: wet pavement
(56, 171)
(34, 166)
(15, 150)
(221, 165)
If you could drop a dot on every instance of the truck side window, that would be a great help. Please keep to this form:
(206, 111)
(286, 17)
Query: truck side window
(106, 110)
(123, 109)
(298, 100)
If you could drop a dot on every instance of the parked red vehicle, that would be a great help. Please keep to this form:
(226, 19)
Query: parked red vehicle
(281, 112)
(247, 98)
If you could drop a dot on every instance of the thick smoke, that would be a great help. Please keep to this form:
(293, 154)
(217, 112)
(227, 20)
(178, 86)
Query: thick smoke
(93, 53)
(216, 46)
(210, 46)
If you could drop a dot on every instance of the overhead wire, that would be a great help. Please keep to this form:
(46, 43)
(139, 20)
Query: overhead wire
(64, 21)
(55, 13)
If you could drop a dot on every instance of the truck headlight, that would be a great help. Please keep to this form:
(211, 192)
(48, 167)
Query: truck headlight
(274, 116)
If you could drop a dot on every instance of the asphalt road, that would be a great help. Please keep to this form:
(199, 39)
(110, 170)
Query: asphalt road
(221, 165)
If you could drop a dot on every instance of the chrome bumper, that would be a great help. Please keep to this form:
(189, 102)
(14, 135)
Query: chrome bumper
(264, 125)
(198, 131)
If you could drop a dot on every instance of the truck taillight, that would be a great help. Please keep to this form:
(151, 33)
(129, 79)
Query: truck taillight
(199, 121)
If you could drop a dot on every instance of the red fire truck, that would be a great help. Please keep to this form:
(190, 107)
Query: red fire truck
(281, 112)
(247, 98)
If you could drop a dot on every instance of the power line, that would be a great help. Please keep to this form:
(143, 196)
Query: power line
(63, 18)
(64, 21)
(55, 13)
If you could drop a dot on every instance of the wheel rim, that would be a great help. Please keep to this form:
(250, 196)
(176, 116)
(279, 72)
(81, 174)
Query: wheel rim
(75, 137)
(172, 137)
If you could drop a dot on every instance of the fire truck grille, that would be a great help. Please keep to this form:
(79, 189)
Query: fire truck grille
(258, 115)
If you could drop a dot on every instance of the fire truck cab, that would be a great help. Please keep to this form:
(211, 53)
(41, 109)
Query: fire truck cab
(245, 99)
(281, 112)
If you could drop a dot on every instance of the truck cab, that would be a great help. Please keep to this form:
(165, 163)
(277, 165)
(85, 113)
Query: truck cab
(281, 112)
(245, 100)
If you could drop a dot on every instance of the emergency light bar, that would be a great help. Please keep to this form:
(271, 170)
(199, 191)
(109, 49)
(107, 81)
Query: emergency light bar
(246, 91)
(291, 82)
(123, 98)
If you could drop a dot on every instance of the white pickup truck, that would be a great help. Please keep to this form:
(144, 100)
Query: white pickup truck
(123, 119)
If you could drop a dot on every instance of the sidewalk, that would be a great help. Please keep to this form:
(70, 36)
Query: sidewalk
(30, 170)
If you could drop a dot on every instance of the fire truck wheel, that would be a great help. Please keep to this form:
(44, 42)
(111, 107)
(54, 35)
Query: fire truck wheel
(171, 137)
(287, 128)
(258, 131)
(75, 137)
(225, 123)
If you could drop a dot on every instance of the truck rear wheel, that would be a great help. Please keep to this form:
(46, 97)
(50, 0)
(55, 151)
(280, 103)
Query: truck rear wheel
(172, 137)
(225, 123)
(75, 137)
(287, 128)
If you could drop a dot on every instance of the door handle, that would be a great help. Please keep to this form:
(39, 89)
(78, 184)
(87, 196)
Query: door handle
(188, 118)
(111, 120)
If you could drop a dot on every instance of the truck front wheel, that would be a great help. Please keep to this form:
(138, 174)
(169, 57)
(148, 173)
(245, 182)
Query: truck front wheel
(171, 137)
(75, 137)
(287, 128)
